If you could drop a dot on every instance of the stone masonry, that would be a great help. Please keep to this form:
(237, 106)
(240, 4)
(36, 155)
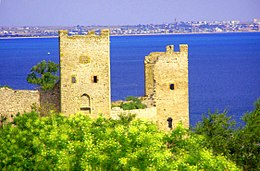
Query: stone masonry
(166, 84)
(85, 73)
(84, 85)
(14, 101)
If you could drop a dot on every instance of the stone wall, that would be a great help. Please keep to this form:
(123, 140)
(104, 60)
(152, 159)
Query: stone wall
(50, 99)
(85, 73)
(147, 113)
(14, 101)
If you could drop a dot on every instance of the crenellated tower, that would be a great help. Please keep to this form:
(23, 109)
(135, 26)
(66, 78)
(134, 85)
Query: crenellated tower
(166, 85)
(85, 73)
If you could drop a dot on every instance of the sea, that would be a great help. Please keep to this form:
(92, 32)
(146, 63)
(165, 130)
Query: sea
(224, 68)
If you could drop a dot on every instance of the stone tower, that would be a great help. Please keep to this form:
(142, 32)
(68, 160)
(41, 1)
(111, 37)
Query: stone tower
(166, 85)
(85, 73)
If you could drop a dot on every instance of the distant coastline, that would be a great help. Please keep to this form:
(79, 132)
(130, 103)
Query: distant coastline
(155, 34)
(36, 37)
(161, 34)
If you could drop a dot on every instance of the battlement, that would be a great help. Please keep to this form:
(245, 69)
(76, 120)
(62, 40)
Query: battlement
(103, 33)
(152, 58)
(183, 49)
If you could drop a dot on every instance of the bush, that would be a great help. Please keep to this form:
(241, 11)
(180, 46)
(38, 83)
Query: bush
(190, 154)
(219, 131)
(5, 86)
(80, 143)
(56, 142)
(132, 103)
(247, 141)
(238, 143)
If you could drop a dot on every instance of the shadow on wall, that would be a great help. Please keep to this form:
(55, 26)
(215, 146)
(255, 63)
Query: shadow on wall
(50, 100)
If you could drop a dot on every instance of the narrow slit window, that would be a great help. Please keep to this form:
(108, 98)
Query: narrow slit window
(95, 79)
(172, 86)
(169, 120)
(73, 79)
(85, 108)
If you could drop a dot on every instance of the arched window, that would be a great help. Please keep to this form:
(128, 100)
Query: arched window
(85, 103)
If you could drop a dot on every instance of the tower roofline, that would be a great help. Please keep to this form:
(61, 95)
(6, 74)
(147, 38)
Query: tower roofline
(103, 32)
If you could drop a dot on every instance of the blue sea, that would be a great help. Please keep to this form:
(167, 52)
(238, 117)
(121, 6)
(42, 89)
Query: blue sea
(224, 69)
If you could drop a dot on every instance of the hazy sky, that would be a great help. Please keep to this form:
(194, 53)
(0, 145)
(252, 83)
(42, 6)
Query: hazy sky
(119, 12)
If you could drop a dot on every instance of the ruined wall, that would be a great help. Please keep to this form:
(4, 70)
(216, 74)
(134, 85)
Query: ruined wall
(50, 99)
(85, 73)
(14, 101)
(149, 63)
(147, 113)
(150, 83)
(170, 85)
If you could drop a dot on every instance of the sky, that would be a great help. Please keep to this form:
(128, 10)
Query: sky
(123, 12)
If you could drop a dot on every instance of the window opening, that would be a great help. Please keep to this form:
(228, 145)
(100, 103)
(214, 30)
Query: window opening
(85, 108)
(172, 86)
(73, 79)
(169, 120)
(95, 79)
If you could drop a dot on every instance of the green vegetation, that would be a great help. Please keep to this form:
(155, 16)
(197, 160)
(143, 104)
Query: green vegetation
(5, 86)
(132, 103)
(44, 75)
(55, 142)
(239, 143)
(190, 154)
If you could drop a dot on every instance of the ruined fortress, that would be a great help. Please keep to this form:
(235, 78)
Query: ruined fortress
(85, 87)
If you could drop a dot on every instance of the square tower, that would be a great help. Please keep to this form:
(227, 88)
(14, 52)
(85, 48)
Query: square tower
(85, 73)
(166, 84)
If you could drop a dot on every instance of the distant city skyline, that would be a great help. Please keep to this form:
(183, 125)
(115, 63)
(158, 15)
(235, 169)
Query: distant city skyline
(123, 12)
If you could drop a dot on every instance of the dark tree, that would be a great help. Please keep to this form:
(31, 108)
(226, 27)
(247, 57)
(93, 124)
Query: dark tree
(44, 74)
